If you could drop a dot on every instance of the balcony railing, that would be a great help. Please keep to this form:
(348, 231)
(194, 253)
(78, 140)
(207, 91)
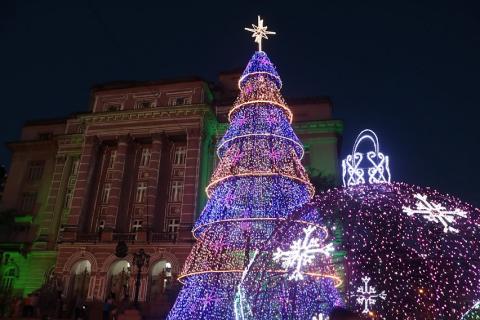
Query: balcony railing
(163, 237)
(87, 237)
(124, 237)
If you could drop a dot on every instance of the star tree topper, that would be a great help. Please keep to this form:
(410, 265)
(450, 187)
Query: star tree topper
(259, 32)
(435, 212)
(367, 295)
(301, 253)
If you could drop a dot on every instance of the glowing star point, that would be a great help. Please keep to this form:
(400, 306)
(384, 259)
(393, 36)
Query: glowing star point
(377, 168)
(367, 295)
(435, 212)
(259, 32)
(302, 253)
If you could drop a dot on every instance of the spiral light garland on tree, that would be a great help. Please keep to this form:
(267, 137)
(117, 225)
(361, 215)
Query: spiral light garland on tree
(231, 272)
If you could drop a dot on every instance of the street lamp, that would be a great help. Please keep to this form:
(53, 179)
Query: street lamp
(140, 259)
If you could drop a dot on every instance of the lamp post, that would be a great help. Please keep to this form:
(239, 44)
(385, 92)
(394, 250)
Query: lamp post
(140, 259)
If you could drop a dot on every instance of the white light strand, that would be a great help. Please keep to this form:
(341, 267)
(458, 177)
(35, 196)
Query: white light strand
(435, 212)
(241, 307)
(377, 169)
(367, 295)
(475, 308)
(302, 252)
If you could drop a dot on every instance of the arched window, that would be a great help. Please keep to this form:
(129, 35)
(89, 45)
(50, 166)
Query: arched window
(160, 279)
(79, 283)
(118, 280)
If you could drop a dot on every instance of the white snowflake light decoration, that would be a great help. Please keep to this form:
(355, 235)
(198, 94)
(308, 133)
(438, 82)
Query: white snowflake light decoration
(302, 252)
(367, 295)
(435, 212)
(320, 316)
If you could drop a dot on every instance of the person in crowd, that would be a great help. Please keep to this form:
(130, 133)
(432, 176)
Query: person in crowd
(27, 306)
(107, 308)
(339, 313)
(34, 304)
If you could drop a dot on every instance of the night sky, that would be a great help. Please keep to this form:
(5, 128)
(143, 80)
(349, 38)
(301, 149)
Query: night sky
(409, 70)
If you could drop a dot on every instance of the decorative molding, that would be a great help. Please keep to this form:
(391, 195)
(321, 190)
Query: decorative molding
(165, 256)
(111, 259)
(79, 255)
(140, 114)
(319, 126)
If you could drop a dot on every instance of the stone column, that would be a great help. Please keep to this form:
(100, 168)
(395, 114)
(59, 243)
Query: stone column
(101, 285)
(192, 163)
(152, 185)
(80, 210)
(142, 295)
(206, 163)
(111, 216)
(52, 213)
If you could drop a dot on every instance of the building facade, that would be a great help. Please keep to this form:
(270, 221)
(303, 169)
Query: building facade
(133, 169)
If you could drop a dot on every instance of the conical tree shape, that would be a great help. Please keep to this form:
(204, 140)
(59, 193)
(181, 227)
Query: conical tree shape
(256, 186)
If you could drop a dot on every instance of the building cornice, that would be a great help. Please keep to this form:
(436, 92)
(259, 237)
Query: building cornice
(139, 114)
(73, 138)
(320, 126)
(29, 144)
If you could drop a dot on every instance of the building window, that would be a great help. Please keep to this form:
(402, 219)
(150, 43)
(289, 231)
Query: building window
(145, 159)
(74, 168)
(137, 225)
(113, 107)
(28, 201)
(180, 155)
(106, 192)
(35, 170)
(173, 225)
(111, 160)
(8, 279)
(141, 192)
(144, 104)
(68, 199)
(174, 210)
(176, 191)
(179, 101)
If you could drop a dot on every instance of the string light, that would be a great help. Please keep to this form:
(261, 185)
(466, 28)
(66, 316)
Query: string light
(367, 295)
(373, 164)
(254, 193)
(302, 252)
(383, 239)
(435, 212)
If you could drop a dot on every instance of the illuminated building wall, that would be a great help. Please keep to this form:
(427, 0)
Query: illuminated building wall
(132, 168)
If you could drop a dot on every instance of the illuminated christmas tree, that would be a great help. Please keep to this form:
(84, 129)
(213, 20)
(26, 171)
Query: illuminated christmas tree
(411, 252)
(253, 258)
